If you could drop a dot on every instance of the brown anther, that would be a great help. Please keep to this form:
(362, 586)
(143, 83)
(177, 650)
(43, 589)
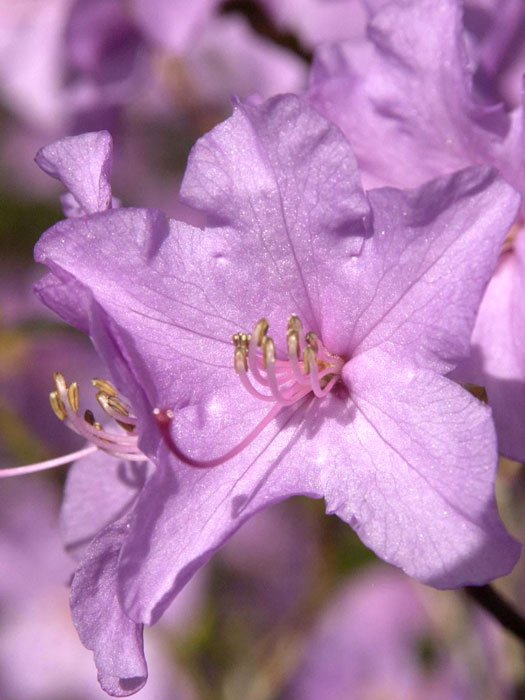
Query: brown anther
(89, 417)
(240, 361)
(72, 396)
(294, 324)
(476, 390)
(312, 340)
(309, 358)
(268, 351)
(292, 342)
(57, 405)
(126, 426)
(60, 382)
(105, 386)
(117, 405)
(259, 333)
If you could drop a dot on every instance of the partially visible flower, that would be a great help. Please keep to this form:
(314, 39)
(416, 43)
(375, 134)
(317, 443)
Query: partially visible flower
(383, 636)
(356, 409)
(318, 21)
(495, 38)
(32, 346)
(35, 621)
(404, 98)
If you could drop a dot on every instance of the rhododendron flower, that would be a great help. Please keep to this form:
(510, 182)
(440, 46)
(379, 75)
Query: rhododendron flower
(369, 299)
(405, 100)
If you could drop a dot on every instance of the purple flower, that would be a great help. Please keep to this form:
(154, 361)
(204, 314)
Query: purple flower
(405, 100)
(34, 609)
(356, 410)
(380, 637)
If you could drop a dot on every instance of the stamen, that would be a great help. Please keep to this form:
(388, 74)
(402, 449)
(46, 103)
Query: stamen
(57, 406)
(48, 464)
(288, 380)
(105, 386)
(65, 404)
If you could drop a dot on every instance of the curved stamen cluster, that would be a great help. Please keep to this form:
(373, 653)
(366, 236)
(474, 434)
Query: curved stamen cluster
(308, 366)
(65, 404)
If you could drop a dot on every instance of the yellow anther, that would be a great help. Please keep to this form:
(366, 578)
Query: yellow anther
(103, 400)
(57, 405)
(312, 340)
(292, 342)
(309, 358)
(236, 339)
(268, 351)
(72, 396)
(261, 328)
(240, 361)
(60, 382)
(117, 405)
(105, 386)
(294, 324)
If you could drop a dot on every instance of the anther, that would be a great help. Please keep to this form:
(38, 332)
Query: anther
(89, 417)
(309, 358)
(117, 404)
(292, 343)
(72, 396)
(57, 405)
(268, 350)
(260, 331)
(240, 360)
(312, 340)
(294, 324)
(60, 382)
(105, 386)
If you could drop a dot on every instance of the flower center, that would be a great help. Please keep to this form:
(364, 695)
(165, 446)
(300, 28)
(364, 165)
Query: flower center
(308, 367)
(285, 381)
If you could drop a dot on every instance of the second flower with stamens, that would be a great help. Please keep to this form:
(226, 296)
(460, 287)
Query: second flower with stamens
(308, 366)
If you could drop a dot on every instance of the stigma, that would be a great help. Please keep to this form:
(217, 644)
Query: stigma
(306, 369)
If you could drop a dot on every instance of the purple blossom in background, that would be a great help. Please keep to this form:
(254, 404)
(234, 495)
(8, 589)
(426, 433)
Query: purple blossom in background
(495, 39)
(380, 637)
(404, 98)
(388, 284)
(36, 628)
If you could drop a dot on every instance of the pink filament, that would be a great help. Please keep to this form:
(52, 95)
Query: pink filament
(165, 416)
(48, 464)
(287, 384)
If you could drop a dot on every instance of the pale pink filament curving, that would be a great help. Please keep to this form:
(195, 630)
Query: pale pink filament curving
(288, 381)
